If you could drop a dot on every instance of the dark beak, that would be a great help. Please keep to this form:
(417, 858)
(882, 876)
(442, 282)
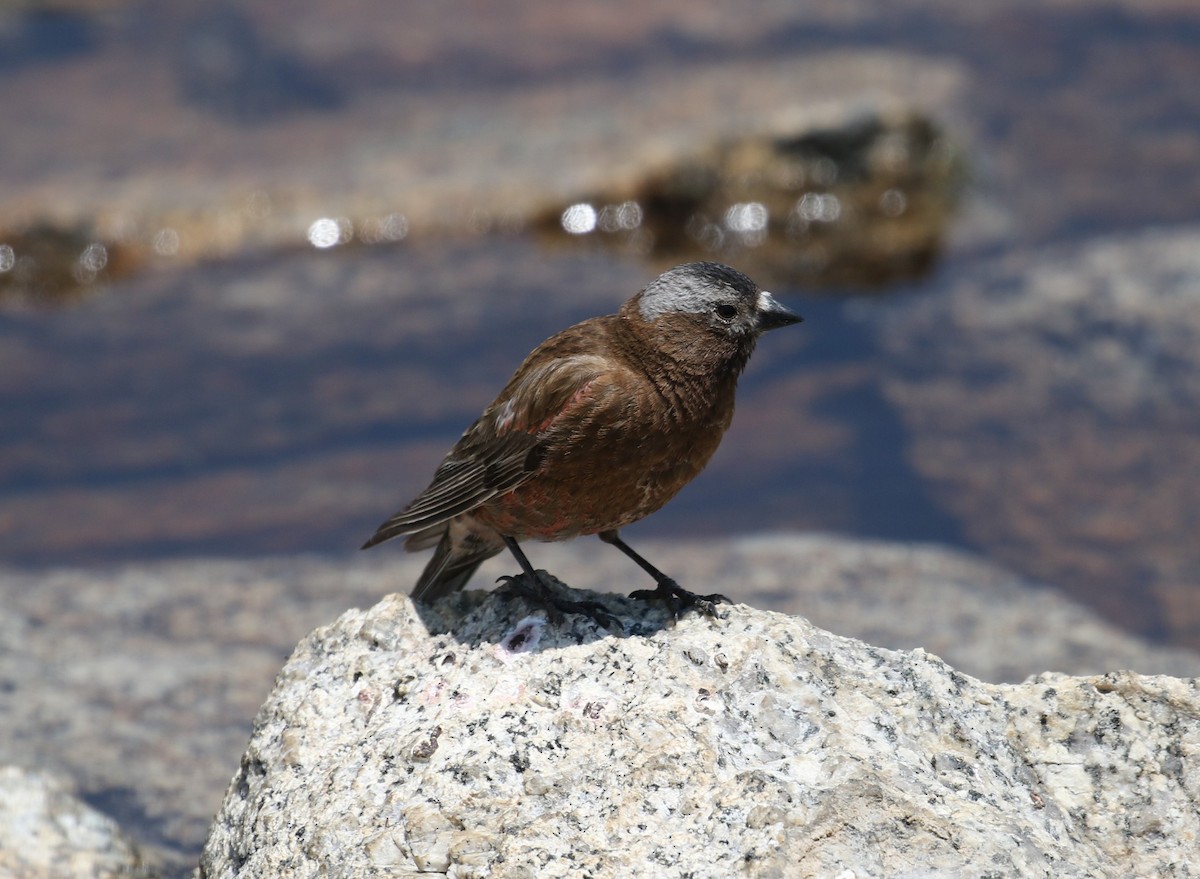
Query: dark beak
(772, 315)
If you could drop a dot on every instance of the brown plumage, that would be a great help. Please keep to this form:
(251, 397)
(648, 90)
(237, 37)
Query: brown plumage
(600, 426)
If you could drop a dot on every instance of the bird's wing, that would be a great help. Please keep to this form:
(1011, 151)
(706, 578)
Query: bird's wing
(502, 448)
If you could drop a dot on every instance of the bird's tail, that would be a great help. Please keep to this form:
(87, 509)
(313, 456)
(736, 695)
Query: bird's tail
(453, 563)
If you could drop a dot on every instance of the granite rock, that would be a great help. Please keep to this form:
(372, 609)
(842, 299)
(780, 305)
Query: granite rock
(983, 619)
(46, 832)
(476, 739)
(139, 682)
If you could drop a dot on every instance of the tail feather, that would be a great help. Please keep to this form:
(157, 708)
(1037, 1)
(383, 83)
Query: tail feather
(452, 565)
(424, 539)
(407, 522)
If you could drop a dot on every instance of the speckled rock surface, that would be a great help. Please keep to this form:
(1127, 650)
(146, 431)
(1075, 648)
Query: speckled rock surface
(755, 745)
(47, 833)
(139, 683)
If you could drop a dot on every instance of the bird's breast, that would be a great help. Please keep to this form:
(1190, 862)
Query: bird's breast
(602, 476)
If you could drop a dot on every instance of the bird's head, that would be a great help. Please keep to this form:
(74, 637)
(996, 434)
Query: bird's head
(713, 296)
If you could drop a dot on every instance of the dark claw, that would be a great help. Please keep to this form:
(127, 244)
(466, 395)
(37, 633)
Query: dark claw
(556, 605)
(679, 599)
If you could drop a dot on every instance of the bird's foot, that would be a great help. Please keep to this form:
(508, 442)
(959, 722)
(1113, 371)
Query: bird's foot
(542, 593)
(679, 599)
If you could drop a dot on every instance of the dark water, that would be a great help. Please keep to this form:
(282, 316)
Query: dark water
(171, 420)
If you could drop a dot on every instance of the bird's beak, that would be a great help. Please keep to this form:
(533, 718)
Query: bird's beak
(772, 315)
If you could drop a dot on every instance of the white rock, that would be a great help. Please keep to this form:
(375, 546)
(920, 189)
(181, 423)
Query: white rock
(757, 745)
(139, 682)
(46, 833)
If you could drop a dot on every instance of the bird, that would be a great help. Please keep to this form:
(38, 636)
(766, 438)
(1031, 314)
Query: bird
(600, 426)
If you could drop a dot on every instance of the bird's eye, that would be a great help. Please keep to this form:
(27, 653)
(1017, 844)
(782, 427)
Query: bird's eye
(726, 311)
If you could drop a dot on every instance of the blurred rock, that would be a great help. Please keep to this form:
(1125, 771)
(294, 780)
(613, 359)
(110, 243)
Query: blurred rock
(246, 124)
(249, 131)
(755, 745)
(139, 682)
(52, 265)
(1053, 403)
(46, 833)
(859, 201)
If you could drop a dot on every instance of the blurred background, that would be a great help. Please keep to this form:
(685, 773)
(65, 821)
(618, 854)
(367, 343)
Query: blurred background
(261, 263)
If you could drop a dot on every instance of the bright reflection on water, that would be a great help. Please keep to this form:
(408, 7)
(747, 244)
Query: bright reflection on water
(166, 242)
(582, 218)
(819, 207)
(579, 219)
(334, 231)
(329, 232)
(91, 262)
(893, 202)
(625, 216)
(749, 220)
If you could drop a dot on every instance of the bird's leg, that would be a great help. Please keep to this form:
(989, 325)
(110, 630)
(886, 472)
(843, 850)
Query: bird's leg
(535, 589)
(675, 595)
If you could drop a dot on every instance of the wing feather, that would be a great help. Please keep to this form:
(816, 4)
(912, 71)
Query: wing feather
(498, 452)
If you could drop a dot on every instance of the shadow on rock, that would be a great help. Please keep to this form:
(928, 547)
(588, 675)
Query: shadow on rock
(516, 624)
